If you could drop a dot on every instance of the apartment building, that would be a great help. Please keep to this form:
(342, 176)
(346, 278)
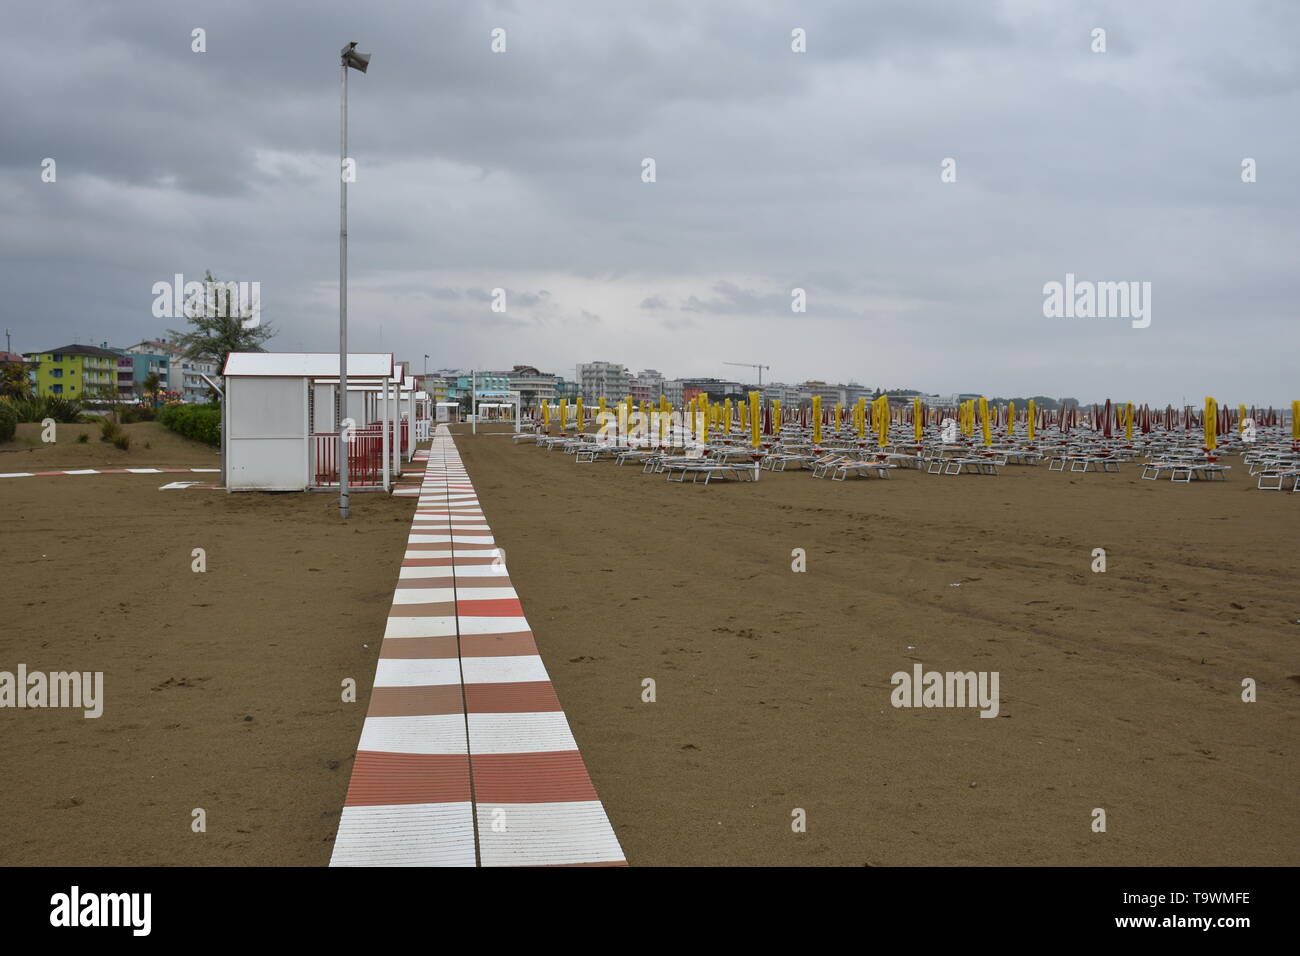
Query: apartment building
(75, 371)
(534, 387)
(830, 394)
(607, 380)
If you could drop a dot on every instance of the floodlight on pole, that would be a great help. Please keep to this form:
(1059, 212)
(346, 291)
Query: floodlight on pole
(349, 58)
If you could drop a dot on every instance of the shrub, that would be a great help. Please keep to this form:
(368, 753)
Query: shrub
(108, 429)
(137, 413)
(62, 410)
(83, 438)
(198, 422)
(8, 421)
(122, 441)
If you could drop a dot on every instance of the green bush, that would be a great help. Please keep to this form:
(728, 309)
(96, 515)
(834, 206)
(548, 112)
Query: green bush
(199, 422)
(62, 410)
(123, 441)
(8, 421)
(137, 413)
(108, 429)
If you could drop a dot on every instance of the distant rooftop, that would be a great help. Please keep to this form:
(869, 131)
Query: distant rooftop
(74, 350)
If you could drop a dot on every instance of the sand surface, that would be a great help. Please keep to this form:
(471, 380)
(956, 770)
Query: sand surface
(1119, 690)
(97, 577)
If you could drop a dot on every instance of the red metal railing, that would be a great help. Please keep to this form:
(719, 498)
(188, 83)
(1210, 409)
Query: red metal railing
(365, 457)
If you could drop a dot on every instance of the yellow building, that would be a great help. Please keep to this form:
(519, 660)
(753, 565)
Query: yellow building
(75, 371)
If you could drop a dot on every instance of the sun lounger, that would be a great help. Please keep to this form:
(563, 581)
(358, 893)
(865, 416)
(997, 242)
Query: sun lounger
(823, 466)
(968, 466)
(1023, 457)
(658, 464)
(862, 469)
(780, 462)
(1276, 480)
(594, 452)
(708, 471)
(1083, 463)
(1184, 471)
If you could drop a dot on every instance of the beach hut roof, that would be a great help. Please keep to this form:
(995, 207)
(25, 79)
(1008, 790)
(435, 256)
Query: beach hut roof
(309, 364)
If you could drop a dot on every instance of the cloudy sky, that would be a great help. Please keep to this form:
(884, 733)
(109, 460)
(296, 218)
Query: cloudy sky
(775, 170)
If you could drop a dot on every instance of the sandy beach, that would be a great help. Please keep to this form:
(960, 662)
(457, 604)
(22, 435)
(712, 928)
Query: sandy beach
(1118, 690)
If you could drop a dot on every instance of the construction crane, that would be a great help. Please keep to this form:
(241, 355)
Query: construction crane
(752, 365)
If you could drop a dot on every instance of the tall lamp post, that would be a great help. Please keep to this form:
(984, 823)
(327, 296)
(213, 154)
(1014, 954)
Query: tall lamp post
(348, 58)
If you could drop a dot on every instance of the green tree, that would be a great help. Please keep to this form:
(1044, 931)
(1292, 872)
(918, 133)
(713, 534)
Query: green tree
(151, 386)
(220, 329)
(13, 380)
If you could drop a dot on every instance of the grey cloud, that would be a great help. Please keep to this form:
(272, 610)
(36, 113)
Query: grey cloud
(819, 170)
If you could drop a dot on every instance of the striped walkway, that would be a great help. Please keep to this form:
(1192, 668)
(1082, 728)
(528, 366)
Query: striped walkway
(466, 757)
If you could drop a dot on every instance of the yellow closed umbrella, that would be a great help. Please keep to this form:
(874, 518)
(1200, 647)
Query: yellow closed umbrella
(755, 425)
(817, 419)
(546, 416)
(985, 424)
(1011, 419)
(918, 424)
(577, 413)
(1241, 419)
(1128, 421)
(1029, 420)
(776, 415)
(564, 414)
(883, 420)
(1211, 423)
(838, 408)
(1295, 421)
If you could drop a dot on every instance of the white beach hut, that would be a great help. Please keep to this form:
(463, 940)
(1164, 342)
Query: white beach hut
(281, 432)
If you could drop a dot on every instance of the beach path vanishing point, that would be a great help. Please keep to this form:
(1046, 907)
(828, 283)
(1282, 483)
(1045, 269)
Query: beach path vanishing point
(466, 757)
